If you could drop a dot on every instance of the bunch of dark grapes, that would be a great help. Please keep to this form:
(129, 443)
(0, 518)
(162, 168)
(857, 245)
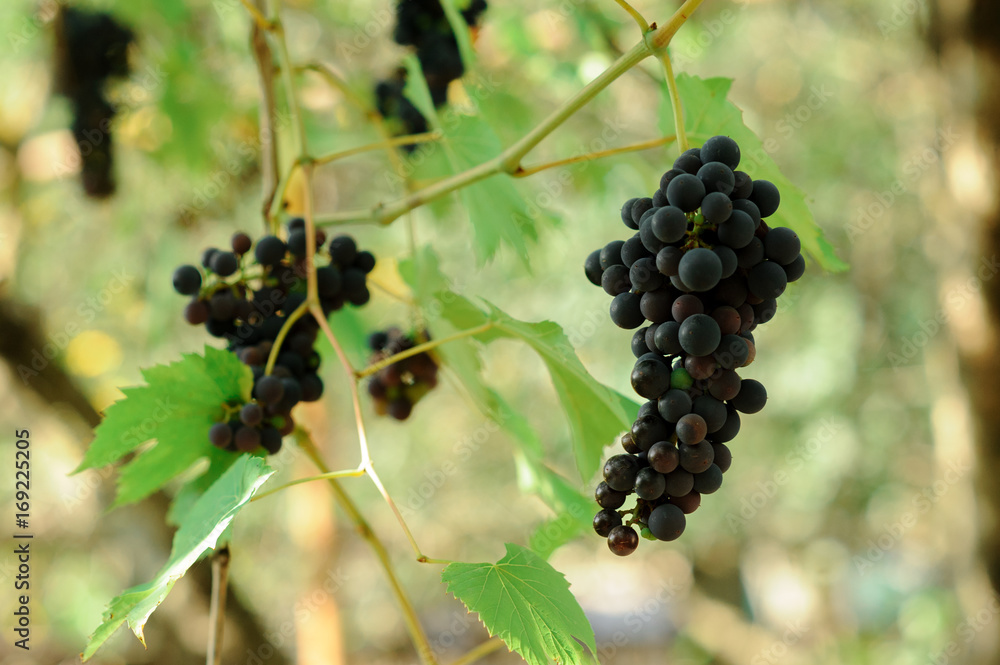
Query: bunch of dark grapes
(397, 387)
(246, 297)
(395, 107)
(704, 269)
(90, 49)
(423, 25)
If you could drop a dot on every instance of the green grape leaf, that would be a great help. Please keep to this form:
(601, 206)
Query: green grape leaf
(176, 408)
(199, 532)
(708, 112)
(526, 603)
(574, 511)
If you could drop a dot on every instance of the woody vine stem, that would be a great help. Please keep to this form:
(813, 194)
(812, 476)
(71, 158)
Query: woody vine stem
(271, 53)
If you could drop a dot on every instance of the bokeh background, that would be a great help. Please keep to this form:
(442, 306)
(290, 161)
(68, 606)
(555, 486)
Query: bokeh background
(857, 524)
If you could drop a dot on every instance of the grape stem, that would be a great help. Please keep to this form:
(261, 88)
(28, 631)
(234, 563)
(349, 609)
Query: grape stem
(481, 651)
(258, 17)
(636, 16)
(217, 608)
(675, 103)
(268, 141)
(421, 348)
(412, 139)
(282, 334)
(509, 161)
(364, 529)
(346, 473)
(590, 156)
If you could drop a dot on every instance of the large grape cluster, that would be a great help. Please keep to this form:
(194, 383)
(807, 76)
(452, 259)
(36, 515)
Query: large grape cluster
(423, 25)
(397, 387)
(91, 47)
(704, 269)
(246, 298)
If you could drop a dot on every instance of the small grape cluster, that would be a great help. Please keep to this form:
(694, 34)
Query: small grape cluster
(704, 268)
(90, 49)
(423, 25)
(397, 387)
(247, 299)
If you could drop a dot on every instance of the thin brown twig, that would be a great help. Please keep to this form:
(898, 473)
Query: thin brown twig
(590, 156)
(217, 609)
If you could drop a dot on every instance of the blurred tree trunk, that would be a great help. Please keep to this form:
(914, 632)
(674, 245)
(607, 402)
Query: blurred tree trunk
(982, 371)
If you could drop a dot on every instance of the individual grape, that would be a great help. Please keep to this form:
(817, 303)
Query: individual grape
(224, 264)
(663, 457)
(620, 472)
(667, 522)
(709, 480)
(625, 312)
(699, 335)
(686, 192)
(765, 195)
(712, 410)
(222, 305)
(649, 429)
(400, 408)
(750, 208)
(269, 390)
(627, 214)
(689, 163)
(668, 259)
(656, 305)
(679, 482)
(782, 245)
(196, 312)
(648, 408)
(592, 267)
(247, 439)
(688, 503)
(751, 254)
(696, 457)
(700, 269)
(723, 456)
(717, 177)
(639, 209)
(700, 367)
(744, 186)
(187, 280)
(751, 397)
(732, 352)
(343, 250)
(730, 429)
(680, 379)
(726, 386)
(649, 484)
(679, 284)
(728, 319)
(765, 310)
(270, 439)
(270, 251)
(665, 338)
(609, 498)
(728, 259)
(611, 254)
(251, 414)
(629, 444)
(732, 292)
(767, 280)
(669, 224)
(615, 280)
(649, 240)
(240, 243)
(220, 434)
(312, 387)
(644, 276)
(721, 149)
(650, 338)
(207, 256)
(639, 347)
(633, 250)
(673, 404)
(363, 261)
(795, 269)
(650, 378)
(605, 521)
(667, 177)
(622, 540)
(716, 207)
(737, 231)
(691, 428)
(686, 306)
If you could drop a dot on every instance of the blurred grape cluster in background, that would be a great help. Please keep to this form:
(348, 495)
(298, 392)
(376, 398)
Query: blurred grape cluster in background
(848, 529)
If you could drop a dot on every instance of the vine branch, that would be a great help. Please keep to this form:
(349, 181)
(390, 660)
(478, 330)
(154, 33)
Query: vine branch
(217, 609)
(675, 102)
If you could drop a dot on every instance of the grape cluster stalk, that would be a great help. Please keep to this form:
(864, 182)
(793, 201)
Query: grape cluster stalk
(704, 269)
(248, 298)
